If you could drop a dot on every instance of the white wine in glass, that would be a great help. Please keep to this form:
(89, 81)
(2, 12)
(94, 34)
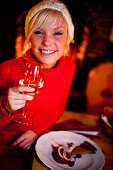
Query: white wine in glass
(34, 77)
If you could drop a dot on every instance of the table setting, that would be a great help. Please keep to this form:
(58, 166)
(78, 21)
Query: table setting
(89, 161)
(76, 126)
(84, 132)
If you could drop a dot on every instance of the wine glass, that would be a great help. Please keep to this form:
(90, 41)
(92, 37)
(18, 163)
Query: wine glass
(33, 78)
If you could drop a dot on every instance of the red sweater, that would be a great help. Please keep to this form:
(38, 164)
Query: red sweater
(46, 107)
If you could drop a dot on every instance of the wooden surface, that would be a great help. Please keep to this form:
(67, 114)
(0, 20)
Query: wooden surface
(105, 143)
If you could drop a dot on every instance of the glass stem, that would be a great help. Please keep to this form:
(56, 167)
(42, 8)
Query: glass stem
(25, 109)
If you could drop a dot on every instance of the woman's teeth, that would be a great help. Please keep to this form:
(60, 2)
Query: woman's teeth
(47, 51)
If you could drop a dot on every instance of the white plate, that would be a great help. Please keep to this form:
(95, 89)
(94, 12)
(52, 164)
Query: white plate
(86, 162)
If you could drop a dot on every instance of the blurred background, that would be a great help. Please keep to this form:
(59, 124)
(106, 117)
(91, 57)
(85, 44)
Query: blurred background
(92, 48)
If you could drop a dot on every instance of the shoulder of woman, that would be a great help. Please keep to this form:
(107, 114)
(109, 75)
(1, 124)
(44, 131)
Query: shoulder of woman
(9, 65)
(5, 67)
(69, 62)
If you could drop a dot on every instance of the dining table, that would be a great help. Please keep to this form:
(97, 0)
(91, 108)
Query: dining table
(104, 142)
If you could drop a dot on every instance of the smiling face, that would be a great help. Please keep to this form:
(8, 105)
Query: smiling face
(49, 40)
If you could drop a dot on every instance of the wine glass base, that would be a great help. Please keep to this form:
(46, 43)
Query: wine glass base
(21, 120)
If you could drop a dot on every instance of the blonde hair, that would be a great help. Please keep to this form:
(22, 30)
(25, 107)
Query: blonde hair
(45, 11)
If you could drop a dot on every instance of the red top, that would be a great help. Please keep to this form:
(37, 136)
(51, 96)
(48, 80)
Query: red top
(46, 107)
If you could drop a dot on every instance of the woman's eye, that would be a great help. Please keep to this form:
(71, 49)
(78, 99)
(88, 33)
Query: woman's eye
(38, 32)
(58, 33)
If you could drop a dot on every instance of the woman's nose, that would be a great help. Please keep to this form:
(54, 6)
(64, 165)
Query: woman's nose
(47, 39)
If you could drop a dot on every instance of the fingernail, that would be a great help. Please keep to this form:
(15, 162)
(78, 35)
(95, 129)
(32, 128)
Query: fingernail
(32, 89)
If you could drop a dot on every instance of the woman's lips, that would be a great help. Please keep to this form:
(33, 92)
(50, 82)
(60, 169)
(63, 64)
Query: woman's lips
(47, 51)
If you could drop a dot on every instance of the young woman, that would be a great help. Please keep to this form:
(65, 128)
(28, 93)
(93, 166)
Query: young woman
(49, 30)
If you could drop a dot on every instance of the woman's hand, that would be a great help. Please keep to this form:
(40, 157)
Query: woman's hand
(16, 99)
(25, 140)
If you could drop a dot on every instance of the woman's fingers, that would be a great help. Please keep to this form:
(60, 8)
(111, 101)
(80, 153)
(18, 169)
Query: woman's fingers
(21, 89)
(25, 89)
(25, 140)
(17, 98)
(18, 101)
(17, 107)
(25, 144)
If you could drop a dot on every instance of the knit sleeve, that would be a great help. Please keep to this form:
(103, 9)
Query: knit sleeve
(4, 74)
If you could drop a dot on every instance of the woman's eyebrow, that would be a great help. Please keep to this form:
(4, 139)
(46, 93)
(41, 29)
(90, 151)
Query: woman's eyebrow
(60, 27)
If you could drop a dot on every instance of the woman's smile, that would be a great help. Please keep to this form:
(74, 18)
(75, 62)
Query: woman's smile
(47, 52)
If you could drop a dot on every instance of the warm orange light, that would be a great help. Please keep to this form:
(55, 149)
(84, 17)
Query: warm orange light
(78, 52)
(19, 46)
